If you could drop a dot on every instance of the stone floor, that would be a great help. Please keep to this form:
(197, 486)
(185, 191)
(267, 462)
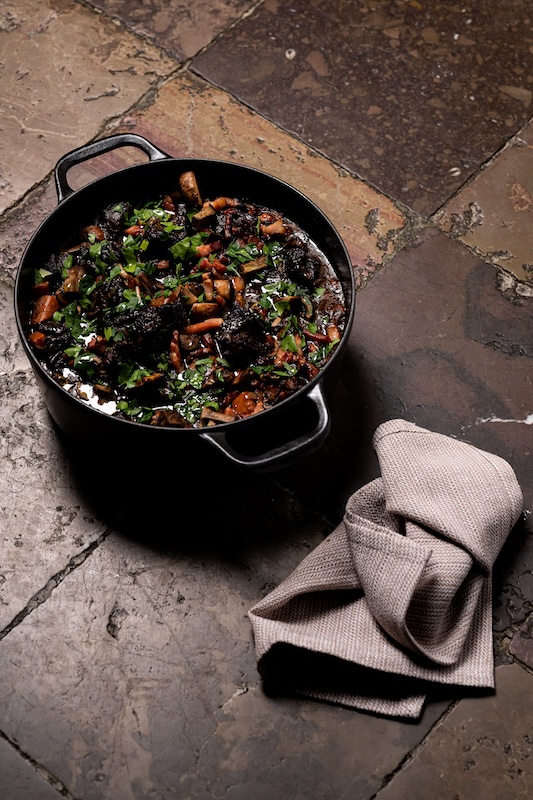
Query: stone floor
(127, 660)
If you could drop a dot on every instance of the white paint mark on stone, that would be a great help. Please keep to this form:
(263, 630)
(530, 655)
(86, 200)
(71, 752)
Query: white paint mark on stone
(527, 421)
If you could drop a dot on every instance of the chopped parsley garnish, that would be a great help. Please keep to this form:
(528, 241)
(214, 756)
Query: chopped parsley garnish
(321, 355)
(242, 254)
(186, 248)
(129, 375)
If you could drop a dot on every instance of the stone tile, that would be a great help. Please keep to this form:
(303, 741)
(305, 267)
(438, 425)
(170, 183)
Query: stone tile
(181, 27)
(482, 748)
(47, 112)
(413, 97)
(159, 695)
(521, 646)
(44, 521)
(12, 358)
(492, 214)
(20, 780)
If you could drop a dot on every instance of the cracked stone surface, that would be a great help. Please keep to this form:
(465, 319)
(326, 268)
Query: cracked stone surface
(128, 668)
(492, 215)
(410, 96)
(17, 227)
(44, 113)
(483, 747)
(181, 27)
(514, 588)
(20, 779)
(434, 341)
(521, 646)
(158, 691)
(372, 226)
(45, 522)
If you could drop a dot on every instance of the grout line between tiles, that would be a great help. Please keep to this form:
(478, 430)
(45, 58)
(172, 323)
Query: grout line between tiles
(514, 140)
(115, 19)
(44, 593)
(45, 774)
(123, 27)
(222, 33)
(407, 759)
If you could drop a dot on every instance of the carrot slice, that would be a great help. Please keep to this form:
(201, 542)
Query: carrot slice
(45, 307)
(205, 326)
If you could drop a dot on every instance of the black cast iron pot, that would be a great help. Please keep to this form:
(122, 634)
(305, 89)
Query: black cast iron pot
(272, 439)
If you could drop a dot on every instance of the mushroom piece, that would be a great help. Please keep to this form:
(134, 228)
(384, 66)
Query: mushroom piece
(274, 228)
(204, 310)
(223, 288)
(220, 203)
(167, 417)
(72, 281)
(189, 188)
(189, 342)
(205, 212)
(210, 415)
(254, 266)
(146, 380)
(94, 230)
(189, 298)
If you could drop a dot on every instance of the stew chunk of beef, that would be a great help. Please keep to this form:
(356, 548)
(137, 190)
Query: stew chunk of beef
(241, 338)
(144, 324)
(300, 266)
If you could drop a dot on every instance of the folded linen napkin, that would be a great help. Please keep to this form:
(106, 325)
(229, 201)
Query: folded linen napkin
(399, 595)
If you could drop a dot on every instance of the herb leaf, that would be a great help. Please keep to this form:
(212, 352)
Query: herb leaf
(186, 247)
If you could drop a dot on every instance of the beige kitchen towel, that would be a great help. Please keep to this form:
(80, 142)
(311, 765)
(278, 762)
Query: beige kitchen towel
(399, 596)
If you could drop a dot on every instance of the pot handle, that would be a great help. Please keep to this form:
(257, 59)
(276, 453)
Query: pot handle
(96, 149)
(285, 453)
